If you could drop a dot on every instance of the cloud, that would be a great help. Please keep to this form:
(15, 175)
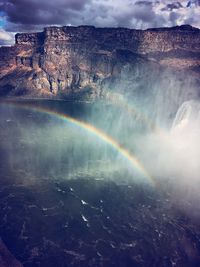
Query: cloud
(6, 38)
(172, 6)
(31, 14)
(178, 16)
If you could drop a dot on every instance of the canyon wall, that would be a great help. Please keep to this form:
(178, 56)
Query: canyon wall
(86, 62)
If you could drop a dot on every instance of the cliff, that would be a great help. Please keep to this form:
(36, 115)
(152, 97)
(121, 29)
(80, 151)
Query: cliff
(6, 258)
(85, 61)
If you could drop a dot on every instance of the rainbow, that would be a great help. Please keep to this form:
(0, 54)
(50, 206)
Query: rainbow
(134, 162)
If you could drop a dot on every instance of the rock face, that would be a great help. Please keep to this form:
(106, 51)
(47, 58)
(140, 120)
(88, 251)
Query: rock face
(82, 62)
(6, 258)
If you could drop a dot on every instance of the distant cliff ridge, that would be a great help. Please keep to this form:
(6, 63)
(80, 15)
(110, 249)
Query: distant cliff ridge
(84, 61)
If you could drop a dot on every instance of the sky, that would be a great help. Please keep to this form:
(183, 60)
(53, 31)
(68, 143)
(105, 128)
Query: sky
(34, 15)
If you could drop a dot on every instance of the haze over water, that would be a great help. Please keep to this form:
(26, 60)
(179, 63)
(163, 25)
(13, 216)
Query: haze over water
(78, 176)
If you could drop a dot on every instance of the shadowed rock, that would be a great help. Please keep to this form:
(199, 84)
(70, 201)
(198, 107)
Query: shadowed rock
(6, 258)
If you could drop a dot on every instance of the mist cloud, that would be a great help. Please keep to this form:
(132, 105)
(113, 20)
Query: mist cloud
(173, 157)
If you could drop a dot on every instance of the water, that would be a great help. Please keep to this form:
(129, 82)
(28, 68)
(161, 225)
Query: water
(48, 144)
(188, 115)
(69, 197)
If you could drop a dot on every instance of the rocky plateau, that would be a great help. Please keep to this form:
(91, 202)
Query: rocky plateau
(86, 62)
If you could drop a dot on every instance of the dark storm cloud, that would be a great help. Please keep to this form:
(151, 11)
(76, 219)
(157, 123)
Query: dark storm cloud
(172, 6)
(143, 11)
(143, 3)
(30, 14)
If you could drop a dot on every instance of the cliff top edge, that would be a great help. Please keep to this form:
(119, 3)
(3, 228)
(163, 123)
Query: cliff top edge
(185, 27)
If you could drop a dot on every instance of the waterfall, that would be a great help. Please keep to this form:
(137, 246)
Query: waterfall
(187, 116)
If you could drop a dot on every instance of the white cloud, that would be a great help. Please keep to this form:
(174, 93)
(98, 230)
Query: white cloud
(6, 38)
(182, 15)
